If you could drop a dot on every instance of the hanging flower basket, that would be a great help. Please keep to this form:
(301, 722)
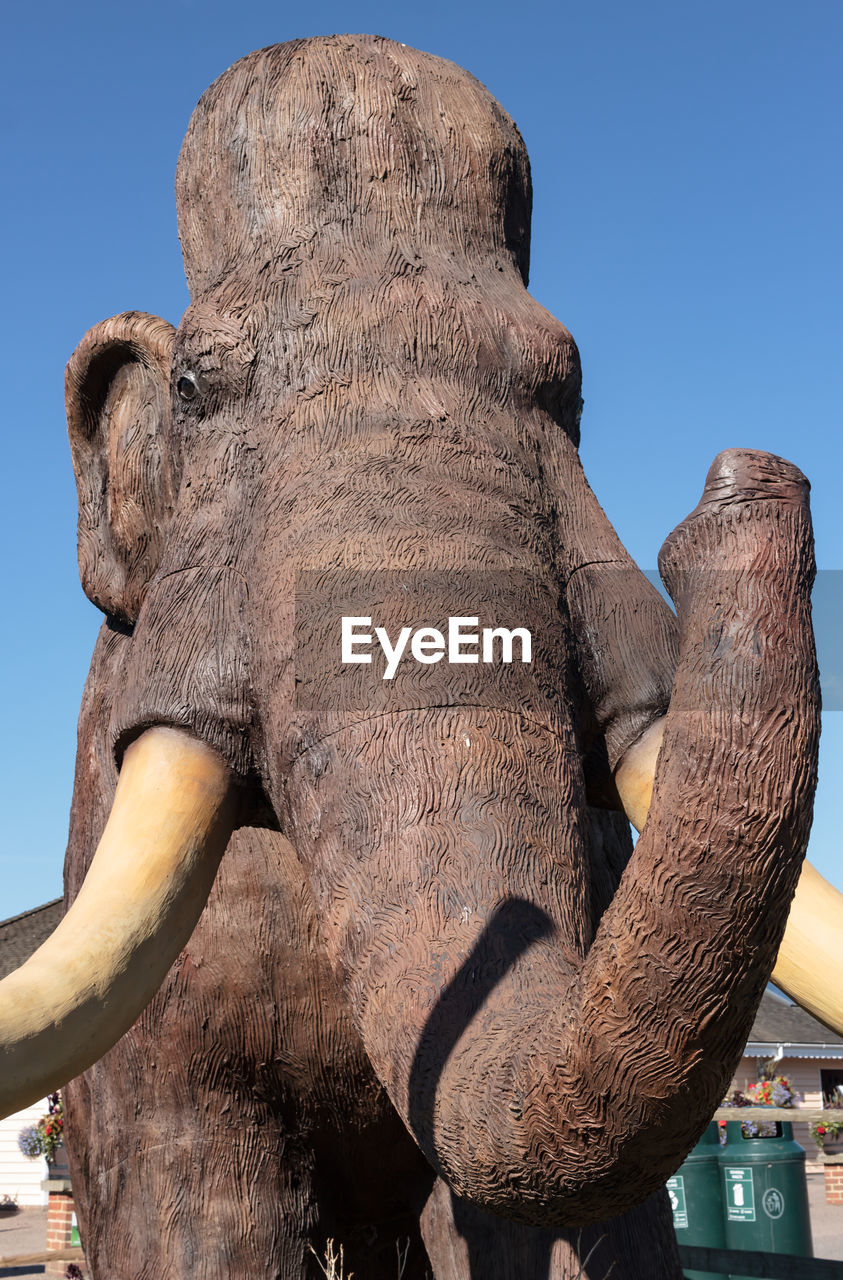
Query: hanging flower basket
(45, 1137)
(828, 1135)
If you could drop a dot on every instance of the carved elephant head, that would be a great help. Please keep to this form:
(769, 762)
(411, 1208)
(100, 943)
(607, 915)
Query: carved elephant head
(364, 414)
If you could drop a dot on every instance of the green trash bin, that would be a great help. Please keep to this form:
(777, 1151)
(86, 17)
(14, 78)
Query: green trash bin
(764, 1192)
(697, 1200)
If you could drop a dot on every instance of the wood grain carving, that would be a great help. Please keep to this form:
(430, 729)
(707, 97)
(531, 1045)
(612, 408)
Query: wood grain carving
(431, 970)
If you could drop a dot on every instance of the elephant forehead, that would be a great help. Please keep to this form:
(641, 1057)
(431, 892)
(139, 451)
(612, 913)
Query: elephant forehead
(350, 132)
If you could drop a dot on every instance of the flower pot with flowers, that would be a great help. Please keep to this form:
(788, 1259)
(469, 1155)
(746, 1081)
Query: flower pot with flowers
(826, 1134)
(45, 1138)
(772, 1091)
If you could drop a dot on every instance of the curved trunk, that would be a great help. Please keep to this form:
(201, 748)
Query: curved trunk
(548, 1080)
(805, 963)
(172, 817)
(627, 651)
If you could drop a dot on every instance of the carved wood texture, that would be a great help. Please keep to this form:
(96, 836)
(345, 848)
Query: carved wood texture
(385, 420)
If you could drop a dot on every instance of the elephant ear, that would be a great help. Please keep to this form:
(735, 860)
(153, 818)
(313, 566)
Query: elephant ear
(118, 417)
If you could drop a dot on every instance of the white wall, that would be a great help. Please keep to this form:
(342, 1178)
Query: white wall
(20, 1178)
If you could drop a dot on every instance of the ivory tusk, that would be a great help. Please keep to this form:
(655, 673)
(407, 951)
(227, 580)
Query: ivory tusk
(173, 813)
(808, 963)
(809, 957)
(636, 773)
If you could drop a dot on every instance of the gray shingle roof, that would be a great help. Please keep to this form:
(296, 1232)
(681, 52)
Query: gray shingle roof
(780, 1022)
(23, 934)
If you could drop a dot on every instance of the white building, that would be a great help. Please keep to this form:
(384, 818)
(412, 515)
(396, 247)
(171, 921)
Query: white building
(20, 1177)
(802, 1049)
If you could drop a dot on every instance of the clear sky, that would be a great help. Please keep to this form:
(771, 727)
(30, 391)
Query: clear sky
(687, 212)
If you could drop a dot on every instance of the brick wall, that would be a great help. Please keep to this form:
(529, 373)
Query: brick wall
(833, 1183)
(59, 1216)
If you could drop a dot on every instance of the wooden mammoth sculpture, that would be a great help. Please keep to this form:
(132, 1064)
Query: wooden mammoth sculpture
(367, 958)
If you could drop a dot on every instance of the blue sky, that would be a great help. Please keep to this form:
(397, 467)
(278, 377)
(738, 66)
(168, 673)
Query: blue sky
(687, 204)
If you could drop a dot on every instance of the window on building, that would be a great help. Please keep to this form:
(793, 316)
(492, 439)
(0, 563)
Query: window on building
(831, 1083)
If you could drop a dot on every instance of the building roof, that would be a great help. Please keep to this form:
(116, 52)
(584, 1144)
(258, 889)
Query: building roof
(781, 1024)
(23, 934)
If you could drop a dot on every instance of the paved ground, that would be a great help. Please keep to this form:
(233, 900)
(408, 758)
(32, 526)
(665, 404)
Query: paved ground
(826, 1221)
(26, 1231)
(22, 1233)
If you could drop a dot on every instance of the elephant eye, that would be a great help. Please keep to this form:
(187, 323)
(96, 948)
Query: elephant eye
(188, 386)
